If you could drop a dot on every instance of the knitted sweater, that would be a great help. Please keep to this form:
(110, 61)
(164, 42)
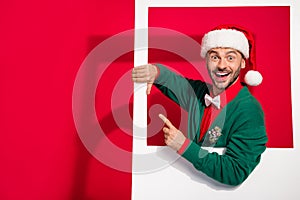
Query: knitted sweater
(239, 127)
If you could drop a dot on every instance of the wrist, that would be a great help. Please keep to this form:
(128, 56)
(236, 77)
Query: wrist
(184, 146)
(156, 70)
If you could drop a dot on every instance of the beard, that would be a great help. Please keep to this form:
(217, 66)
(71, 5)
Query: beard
(222, 83)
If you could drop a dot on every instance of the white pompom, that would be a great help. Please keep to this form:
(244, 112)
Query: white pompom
(253, 78)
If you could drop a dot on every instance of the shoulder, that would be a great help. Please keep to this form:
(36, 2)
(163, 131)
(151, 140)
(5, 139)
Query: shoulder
(247, 101)
(198, 88)
(247, 109)
(198, 84)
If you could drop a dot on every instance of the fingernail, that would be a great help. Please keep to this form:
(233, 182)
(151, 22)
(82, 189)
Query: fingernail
(162, 117)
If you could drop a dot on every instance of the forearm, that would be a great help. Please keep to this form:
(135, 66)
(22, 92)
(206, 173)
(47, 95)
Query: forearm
(174, 86)
(222, 168)
(232, 168)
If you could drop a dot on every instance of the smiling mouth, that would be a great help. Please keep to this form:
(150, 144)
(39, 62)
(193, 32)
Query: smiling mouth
(222, 74)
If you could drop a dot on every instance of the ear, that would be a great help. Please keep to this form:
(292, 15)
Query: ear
(243, 63)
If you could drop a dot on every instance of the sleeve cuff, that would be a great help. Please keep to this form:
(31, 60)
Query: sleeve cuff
(158, 71)
(184, 146)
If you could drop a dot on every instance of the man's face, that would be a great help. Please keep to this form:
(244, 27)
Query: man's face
(224, 65)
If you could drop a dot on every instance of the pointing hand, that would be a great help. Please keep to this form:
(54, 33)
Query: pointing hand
(174, 138)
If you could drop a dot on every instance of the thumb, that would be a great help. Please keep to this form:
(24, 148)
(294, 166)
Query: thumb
(149, 86)
(166, 121)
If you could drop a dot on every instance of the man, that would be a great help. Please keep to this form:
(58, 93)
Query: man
(222, 114)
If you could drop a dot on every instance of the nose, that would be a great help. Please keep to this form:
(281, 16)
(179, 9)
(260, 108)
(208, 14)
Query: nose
(222, 64)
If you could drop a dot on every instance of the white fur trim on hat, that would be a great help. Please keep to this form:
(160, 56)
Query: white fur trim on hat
(253, 78)
(229, 38)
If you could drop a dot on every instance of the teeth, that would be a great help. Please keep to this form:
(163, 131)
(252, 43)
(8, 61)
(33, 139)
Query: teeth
(222, 73)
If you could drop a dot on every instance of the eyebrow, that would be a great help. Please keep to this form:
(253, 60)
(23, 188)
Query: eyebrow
(229, 52)
(234, 52)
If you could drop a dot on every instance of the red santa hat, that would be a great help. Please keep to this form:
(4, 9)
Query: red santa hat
(232, 36)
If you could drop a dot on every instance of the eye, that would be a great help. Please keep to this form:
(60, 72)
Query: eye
(231, 58)
(214, 58)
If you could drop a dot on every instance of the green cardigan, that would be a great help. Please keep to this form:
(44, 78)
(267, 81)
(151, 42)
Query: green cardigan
(241, 124)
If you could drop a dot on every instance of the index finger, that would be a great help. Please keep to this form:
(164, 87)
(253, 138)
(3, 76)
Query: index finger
(162, 117)
(165, 120)
(141, 67)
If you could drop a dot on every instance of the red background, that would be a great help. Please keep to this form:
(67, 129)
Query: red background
(271, 29)
(43, 44)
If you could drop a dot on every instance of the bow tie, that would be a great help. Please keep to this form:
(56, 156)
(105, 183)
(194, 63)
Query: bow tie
(215, 101)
